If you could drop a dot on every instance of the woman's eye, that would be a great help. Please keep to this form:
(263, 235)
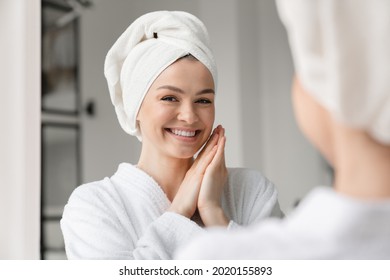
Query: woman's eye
(169, 98)
(204, 101)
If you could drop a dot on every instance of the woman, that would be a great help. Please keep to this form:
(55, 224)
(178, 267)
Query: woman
(341, 98)
(161, 76)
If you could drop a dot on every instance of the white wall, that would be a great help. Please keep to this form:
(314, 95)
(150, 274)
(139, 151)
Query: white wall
(20, 127)
(287, 157)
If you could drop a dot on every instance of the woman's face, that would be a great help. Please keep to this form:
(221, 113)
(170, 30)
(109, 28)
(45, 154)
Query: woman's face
(177, 114)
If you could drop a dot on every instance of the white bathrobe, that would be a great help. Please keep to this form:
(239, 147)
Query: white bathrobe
(326, 225)
(124, 217)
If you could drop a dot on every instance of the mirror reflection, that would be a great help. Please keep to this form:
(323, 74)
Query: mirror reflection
(252, 98)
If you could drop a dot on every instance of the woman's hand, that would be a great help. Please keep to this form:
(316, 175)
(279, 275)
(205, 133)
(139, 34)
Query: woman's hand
(186, 198)
(214, 179)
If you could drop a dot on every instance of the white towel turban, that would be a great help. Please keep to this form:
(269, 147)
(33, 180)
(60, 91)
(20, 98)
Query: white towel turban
(341, 52)
(147, 47)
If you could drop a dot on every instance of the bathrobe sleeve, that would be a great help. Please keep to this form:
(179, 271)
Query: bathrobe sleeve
(95, 226)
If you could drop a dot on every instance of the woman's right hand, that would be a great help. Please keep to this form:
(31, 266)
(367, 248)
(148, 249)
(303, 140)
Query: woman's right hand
(186, 198)
(214, 180)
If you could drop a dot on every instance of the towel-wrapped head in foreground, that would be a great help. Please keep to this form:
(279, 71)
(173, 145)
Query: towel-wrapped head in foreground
(147, 47)
(342, 58)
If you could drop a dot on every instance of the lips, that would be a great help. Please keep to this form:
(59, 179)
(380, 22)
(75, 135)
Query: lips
(187, 133)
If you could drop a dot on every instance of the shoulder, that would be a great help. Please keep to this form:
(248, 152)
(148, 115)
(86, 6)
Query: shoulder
(250, 187)
(251, 196)
(244, 173)
(249, 179)
(95, 193)
(107, 189)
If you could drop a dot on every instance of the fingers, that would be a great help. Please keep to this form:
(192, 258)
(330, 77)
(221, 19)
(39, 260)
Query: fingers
(220, 154)
(205, 160)
(221, 134)
(219, 157)
(213, 140)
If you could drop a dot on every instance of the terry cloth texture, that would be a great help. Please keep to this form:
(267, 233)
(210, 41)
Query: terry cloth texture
(124, 217)
(341, 55)
(325, 225)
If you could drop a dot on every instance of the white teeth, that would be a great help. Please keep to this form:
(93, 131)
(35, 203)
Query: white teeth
(183, 133)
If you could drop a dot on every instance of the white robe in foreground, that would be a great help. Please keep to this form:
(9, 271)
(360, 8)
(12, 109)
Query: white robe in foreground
(124, 217)
(326, 225)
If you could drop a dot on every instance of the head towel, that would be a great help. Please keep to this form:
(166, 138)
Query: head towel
(341, 52)
(147, 47)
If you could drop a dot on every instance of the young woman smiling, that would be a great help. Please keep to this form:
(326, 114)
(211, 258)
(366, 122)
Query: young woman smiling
(162, 77)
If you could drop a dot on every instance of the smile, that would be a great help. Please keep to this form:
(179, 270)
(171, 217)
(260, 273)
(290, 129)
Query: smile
(182, 132)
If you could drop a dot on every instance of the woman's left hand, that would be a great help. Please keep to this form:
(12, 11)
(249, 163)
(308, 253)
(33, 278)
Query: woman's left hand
(215, 177)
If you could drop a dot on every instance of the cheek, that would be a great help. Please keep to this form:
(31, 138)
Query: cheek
(313, 120)
(208, 117)
(306, 112)
(154, 114)
(300, 111)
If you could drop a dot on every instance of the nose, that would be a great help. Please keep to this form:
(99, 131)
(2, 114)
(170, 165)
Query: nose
(187, 113)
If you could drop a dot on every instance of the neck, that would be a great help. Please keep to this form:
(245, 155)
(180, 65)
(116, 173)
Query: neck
(168, 172)
(363, 166)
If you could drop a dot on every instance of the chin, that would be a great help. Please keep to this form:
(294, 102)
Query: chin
(182, 153)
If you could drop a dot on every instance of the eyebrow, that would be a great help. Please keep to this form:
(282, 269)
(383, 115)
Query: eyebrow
(179, 90)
